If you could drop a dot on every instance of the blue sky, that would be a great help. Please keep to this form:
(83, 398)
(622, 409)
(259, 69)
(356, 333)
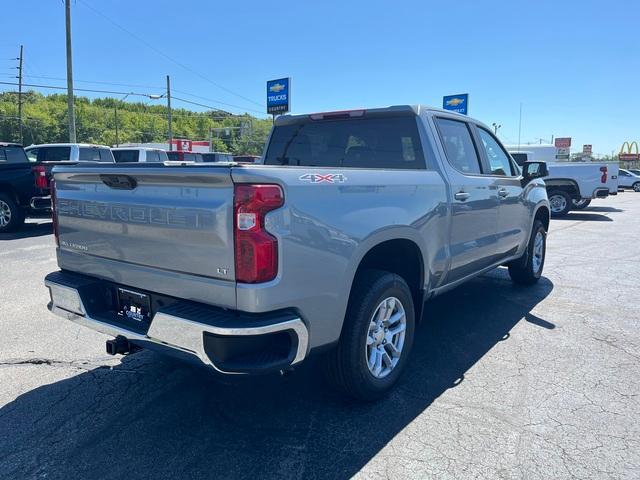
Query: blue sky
(575, 66)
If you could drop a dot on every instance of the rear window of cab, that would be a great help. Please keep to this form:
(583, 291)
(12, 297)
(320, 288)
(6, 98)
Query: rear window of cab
(391, 142)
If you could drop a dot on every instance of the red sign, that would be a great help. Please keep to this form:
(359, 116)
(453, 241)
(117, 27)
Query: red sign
(563, 142)
(629, 157)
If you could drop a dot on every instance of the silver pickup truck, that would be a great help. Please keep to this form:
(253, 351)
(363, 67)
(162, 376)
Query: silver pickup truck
(332, 245)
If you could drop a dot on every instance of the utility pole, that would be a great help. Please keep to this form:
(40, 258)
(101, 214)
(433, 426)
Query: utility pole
(20, 95)
(115, 114)
(71, 110)
(210, 139)
(169, 113)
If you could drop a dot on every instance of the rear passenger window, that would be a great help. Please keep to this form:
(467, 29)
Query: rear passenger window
(498, 160)
(458, 145)
(379, 142)
(89, 154)
(55, 154)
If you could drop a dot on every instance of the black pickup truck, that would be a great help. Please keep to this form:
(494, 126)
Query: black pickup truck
(24, 187)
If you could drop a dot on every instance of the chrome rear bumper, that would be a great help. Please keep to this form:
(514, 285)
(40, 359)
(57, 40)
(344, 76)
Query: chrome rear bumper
(174, 329)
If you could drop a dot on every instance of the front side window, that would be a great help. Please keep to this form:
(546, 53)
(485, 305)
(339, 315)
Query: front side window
(458, 145)
(379, 142)
(152, 156)
(32, 154)
(498, 160)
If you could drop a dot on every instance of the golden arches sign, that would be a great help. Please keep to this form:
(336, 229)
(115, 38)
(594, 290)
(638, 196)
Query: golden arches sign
(629, 155)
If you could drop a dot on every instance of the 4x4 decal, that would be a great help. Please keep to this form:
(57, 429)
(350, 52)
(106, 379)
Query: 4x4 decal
(323, 178)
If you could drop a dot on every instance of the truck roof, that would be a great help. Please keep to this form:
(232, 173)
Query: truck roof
(9, 144)
(68, 145)
(382, 111)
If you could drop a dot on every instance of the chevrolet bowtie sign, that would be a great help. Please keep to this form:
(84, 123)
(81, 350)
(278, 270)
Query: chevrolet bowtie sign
(456, 103)
(279, 96)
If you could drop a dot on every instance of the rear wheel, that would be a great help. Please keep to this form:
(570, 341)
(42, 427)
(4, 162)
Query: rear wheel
(11, 215)
(376, 339)
(560, 202)
(528, 269)
(636, 187)
(581, 204)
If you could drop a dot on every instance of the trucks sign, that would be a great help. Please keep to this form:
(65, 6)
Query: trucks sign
(279, 96)
(456, 103)
(587, 149)
(563, 142)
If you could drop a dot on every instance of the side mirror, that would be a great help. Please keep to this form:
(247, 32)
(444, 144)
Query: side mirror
(531, 170)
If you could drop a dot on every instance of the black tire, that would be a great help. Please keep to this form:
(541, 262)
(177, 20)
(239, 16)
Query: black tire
(581, 204)
(523, 271)
(561, 203)
(347, 366)
(11, 215)
(636, 187)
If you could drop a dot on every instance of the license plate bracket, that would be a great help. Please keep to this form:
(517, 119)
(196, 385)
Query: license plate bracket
(134, 306)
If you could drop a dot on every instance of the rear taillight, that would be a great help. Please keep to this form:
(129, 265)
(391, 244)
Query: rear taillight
(603, 177)
(54, 214)
(41, 177)
(256, 251)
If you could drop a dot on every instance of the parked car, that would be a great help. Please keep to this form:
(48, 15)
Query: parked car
(24, 187)
(332, 246)
(634, 171)
(573, 185)
(627, 179)
(182, 156)
(217, 157)
(69, 152)
(139, 154)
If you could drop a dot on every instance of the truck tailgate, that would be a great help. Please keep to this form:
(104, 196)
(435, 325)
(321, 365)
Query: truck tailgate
(156, 217)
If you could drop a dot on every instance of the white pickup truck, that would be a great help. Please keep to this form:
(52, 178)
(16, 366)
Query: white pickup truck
(573, 185)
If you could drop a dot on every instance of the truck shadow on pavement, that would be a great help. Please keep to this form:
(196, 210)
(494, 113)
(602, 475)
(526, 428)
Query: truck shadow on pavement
(29, 230)
(582, 217)
(150, 417)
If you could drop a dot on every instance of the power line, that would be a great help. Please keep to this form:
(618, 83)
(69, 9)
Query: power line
(44, 77)
(55, 87)
(159, 52)
(149, 86)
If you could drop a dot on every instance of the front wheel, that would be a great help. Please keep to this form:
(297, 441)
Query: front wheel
(636, 187)
(376, 339)
(560, 202)
(582, 203)
(528, 269)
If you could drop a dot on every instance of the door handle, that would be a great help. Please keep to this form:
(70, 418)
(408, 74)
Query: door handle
(503, 193)
(462, 196)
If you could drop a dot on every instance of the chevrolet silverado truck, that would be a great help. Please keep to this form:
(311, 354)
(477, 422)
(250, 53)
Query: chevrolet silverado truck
(572, 185)
(24, 187)
(330, 246)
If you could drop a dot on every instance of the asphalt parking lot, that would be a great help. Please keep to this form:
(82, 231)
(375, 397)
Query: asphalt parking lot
(504, 382)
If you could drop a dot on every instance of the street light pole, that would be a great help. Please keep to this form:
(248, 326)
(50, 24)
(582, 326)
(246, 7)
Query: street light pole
(169, 113)
(70, 106)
